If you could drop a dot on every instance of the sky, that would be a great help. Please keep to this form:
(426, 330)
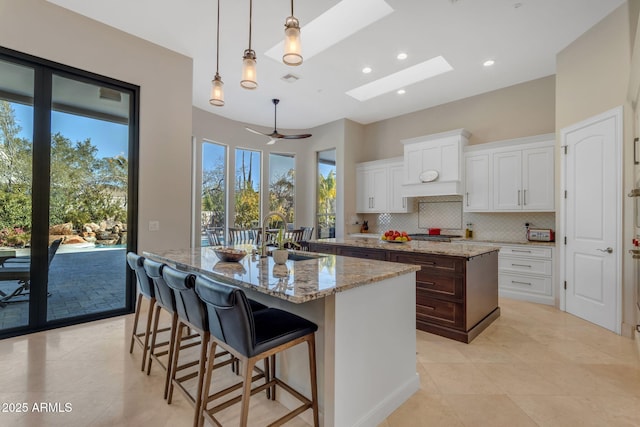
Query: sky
(111, 139)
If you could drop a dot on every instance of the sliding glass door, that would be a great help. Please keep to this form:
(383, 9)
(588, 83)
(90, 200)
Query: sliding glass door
(67, 181)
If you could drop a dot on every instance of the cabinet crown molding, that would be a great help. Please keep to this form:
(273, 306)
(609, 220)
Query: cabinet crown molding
(538, 140)
(457, 132)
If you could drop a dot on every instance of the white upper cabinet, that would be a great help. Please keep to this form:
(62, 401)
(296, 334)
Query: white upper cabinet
(538, 179)
(510, 176)
(507, 180)
(371, 188)
(379, 187)
(477, 196)
(398, 203)
(433, 164)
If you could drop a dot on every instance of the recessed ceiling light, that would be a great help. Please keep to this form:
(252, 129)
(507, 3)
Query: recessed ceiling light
(367, 70)
(402, 56)
(403, 78)
(488, 62)
(336, 24)
(401, 92)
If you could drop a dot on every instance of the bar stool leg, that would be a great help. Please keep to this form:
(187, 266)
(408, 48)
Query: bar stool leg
(154, 336)
(272, 375)
(135, 322)
(174, 362)
(246, 391)
(198, 397)
(145, 347)
(172, 343)
(207, 381)
(314, 380)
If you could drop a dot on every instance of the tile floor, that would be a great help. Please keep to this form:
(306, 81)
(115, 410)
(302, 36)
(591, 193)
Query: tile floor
(534, 366)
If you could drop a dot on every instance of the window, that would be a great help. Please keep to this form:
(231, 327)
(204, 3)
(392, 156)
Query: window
(282, 185)
(214, 190)
(326, 194)
(247, 188)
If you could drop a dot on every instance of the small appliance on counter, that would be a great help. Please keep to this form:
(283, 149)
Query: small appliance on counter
(541, 235)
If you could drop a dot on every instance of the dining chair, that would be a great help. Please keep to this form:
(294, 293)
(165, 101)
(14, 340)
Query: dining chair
(241, 236)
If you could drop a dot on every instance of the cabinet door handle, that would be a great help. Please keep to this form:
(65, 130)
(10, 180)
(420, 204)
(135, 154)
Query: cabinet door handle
(373, 202)
(519, 197)
(429, 307)
(524, 197)
(404, 202)
(429, 283)
(521, 283)
(520, 250)
(429, 263)
(467, 198)
(520, 265)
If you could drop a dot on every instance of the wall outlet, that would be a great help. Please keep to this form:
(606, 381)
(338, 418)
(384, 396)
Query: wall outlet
(154, 225)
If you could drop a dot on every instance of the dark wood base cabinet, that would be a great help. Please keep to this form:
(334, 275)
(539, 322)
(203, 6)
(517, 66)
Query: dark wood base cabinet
(456, 297)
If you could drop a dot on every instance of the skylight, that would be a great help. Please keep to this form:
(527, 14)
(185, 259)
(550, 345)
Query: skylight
(416, 73)
(336, 24)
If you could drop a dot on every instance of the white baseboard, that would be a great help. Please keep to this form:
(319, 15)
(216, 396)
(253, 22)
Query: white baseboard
(390, 404)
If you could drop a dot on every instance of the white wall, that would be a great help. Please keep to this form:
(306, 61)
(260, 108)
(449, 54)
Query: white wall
(39, 28)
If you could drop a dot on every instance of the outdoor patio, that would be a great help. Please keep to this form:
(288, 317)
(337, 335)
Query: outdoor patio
(81, 281)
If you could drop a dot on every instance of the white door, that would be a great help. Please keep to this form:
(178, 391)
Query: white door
(592, 175)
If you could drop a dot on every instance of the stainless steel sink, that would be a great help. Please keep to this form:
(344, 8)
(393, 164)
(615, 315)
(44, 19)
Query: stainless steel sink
(293, 256)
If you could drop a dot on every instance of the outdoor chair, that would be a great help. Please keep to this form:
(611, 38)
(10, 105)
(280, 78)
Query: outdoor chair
(20, 269)
(212, 236)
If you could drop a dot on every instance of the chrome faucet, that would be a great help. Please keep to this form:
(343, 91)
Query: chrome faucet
(263, 250)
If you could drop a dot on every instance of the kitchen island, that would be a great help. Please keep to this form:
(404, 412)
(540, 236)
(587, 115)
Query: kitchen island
(365, 312)
(456, 287)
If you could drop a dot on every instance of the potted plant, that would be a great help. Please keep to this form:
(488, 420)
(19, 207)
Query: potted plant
(281, 254)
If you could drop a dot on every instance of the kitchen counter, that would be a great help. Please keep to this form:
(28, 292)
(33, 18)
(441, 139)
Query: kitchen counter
(297, 281)
(366, 316)
(454, 248)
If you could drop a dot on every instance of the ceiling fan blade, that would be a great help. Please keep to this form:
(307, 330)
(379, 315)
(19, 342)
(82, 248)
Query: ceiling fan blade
(271, 141)
(256, 132)
(301, 136)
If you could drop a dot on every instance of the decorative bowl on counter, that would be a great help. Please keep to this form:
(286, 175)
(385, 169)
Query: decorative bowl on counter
(229, 254)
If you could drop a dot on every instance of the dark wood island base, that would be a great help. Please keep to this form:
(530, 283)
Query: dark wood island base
(456, 289)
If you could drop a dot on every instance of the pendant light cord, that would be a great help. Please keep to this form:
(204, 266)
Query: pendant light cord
(218, 40)
(250, 17)
(292, 8)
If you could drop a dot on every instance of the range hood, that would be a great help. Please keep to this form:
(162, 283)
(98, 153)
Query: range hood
(433, 164)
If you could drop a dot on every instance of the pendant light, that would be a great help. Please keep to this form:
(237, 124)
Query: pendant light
(292, 48)
(249, 60)
(217, 91)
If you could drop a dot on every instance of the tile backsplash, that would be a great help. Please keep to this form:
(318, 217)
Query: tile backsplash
(445, 212)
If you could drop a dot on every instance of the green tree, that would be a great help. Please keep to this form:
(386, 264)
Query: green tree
(327, 199)
(213, 194)
(15, 172)
(247, 195)
(281, 195)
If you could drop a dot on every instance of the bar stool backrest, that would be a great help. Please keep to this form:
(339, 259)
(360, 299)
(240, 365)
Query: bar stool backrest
(188, 304)
(229, 313)
(164, 294)
(145, 285)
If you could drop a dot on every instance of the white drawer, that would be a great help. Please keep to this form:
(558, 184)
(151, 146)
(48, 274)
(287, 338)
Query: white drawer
(525, 284)
(524, 265)
(528, 251)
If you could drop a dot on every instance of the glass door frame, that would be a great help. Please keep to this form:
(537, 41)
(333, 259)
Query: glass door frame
(44, 71)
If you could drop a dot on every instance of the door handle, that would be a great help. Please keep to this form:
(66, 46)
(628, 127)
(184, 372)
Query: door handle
(518, 197)
(608, 250)
(467, 198)
(524, 197)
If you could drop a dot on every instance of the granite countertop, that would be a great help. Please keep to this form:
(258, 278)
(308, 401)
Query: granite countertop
(454, 248)
(297, 281)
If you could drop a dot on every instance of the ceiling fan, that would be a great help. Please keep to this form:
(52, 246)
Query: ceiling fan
(275, 135)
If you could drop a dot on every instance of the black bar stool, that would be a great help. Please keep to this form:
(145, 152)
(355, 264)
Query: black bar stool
(165, 299)
(192, 314)
(251, 336)
(145, 291)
